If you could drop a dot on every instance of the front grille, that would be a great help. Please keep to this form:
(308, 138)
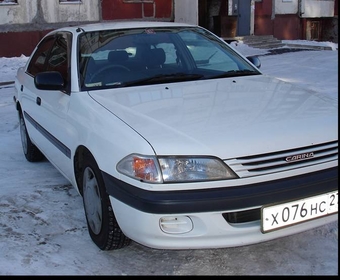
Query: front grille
(249, 166)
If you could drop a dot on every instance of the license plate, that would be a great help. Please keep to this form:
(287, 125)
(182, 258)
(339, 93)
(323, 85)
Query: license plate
(287, 214)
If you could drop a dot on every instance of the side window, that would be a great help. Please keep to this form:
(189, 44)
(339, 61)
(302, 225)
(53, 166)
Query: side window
(58, 58)
(37, 63)
(52, 54)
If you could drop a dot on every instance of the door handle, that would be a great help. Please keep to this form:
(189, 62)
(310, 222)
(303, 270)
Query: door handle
(38, 101)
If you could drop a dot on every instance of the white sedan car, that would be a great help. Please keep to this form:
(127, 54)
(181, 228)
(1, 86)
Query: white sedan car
(174, 139)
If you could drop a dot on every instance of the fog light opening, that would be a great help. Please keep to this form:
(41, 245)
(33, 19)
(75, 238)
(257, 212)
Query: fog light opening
(176, 224)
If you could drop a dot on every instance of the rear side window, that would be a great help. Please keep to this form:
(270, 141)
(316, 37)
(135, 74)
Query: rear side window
(52, 54)
(38, 61)
(58, 59)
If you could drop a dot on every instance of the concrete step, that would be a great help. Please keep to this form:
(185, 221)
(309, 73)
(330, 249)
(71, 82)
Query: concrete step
(270, 42)
(261, 42)
(305, 46)
(253, 38)
(266, 45)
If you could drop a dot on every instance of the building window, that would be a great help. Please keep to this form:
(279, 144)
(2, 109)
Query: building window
(70, 1)
(8, 2)
(138, 1)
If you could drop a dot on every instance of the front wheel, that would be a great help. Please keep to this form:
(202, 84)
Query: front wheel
(31, 152)
(101, 222)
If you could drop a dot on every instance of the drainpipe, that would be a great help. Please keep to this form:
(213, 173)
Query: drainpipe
(273, 17)
(302, 27)
(300, 11)
(252, 17)
(100, 4)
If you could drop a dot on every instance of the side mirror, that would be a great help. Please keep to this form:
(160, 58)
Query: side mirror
(254, 60)
(51, 80)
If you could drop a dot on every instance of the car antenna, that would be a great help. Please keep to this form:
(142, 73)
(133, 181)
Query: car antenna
(79, 29)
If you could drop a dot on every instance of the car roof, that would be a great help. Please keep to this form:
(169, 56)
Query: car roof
(122, 25)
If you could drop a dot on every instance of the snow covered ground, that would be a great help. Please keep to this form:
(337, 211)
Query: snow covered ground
(42, 223)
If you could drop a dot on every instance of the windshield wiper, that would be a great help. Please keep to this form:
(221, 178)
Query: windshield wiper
(235, 73)
(163, 78)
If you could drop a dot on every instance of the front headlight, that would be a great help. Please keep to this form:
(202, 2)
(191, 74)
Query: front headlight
(174, 169)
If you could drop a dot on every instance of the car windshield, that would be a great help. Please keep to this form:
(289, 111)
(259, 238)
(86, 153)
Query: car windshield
(124, 58)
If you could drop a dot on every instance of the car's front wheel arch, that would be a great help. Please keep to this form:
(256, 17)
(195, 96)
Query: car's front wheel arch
(101, 221)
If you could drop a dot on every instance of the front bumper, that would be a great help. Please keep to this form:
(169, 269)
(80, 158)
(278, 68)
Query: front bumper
(199, 219)
(208, 230)
(223, 199)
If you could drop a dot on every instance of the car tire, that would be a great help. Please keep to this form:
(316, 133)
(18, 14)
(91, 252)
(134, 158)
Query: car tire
(101, 222)
(31, 152)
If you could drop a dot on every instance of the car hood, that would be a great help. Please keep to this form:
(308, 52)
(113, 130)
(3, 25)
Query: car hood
(224, 117)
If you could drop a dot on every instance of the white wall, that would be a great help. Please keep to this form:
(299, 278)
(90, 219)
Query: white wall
(286, 6)
(25, 11)
(186, 11)
(87, 10)
(308, 8)
(317, 8)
